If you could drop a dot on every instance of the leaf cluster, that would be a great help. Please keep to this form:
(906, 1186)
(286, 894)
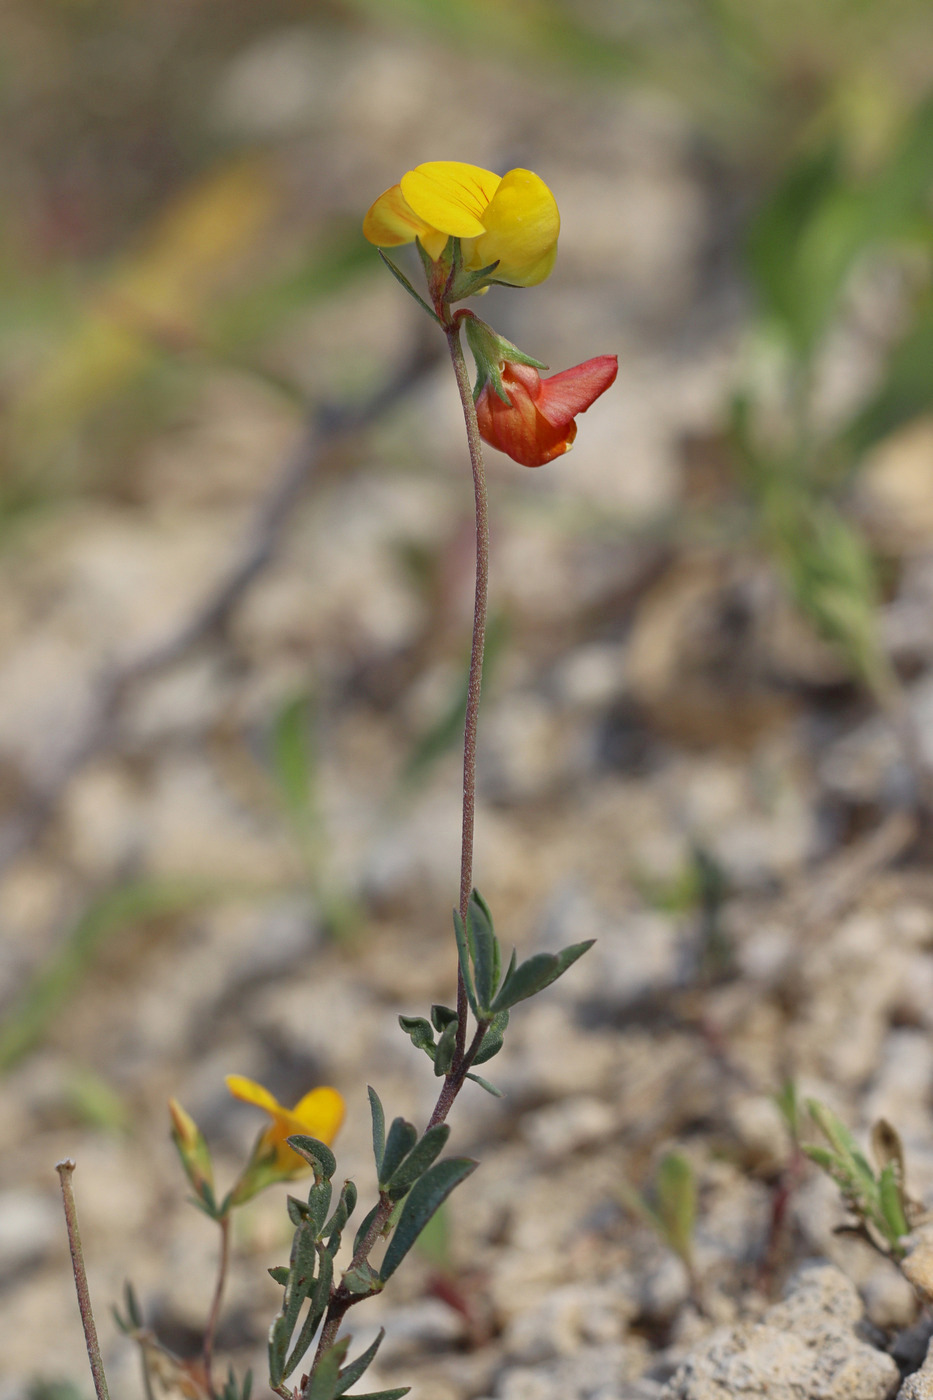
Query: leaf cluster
(820, 223)
(490, 995)
(877, 1196)
(412, 1186)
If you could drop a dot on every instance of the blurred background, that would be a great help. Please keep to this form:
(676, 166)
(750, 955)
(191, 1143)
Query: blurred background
(235, 581)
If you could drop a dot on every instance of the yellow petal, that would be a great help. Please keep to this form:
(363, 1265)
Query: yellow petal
(450, 196)
(320, 1114)
(251, 1092)
(522, 226)
(390, 221)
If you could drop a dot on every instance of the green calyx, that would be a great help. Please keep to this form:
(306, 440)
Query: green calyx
(491, 351)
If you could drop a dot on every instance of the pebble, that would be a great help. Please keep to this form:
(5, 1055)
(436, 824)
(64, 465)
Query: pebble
(805, 1348)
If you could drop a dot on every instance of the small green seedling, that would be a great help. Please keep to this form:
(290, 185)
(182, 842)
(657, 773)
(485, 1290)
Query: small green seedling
(669, 1208)
(878, 1199)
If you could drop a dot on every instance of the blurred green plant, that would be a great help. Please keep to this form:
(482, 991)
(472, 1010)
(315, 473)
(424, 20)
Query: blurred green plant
(296, 772)
(96, 1103)
(112, 912)
(821, 224)
(446, 733)
(669, 1209)
(46, 1389)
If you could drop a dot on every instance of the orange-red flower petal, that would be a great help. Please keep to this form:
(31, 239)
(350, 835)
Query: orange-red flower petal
(537, 424)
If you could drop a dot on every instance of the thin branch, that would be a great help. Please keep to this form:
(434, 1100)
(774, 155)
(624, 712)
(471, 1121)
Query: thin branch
(65, 1171)
(326, 425)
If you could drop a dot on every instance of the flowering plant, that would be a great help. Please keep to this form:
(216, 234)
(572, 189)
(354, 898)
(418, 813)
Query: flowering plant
(471, 229)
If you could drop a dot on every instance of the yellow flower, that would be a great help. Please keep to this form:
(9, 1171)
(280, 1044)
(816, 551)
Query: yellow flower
(512, 220)
(318, 1115)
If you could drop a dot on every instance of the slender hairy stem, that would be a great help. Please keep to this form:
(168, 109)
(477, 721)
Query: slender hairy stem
(479, 616)
(341, 1301)
(453, 1082)
(474, 685)
(65, 1170)
(210, 1332)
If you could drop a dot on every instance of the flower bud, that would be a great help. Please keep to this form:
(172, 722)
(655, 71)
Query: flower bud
(536, 422)
(194, 1154)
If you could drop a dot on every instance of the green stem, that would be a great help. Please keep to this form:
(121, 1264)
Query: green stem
(210, 1331)
(65, 1170)
(474, 685)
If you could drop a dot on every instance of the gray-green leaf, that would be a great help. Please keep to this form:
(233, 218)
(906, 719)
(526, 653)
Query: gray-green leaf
(418, 1161)
(402, 1138)
(351, 1374)
(316, 1154)
(423, 1200)
(446, 1045)
(379, 1126)
(538, 972)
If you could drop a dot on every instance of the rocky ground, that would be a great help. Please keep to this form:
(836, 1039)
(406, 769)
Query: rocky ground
(669, 763)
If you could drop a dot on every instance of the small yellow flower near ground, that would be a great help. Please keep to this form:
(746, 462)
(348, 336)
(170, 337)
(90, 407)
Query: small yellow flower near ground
(512, 219)
(319, 1115)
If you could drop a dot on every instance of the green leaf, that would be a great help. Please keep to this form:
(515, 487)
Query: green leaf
(345, 1208)
(325, 1380)
(319, 1198)
(822, 1157)
(469, 283)
(404, 282)
(379, 1127)
(821, 220)
(446, 1045)
(635, 1202)
(383, 1394)
(422, 1036)
(317, 1154)
(677, 1202)
(905, 391)
(537, 973)
(364, 1226)
(133, 1311)
(402, 1138)
(363, 1279)
(485, 1084)
(464, 954)
(418, 1161)
(293, 762)
(491, 1042)
(297, 1210)
(279, 1272)
(423, 1200)
(484, 946)
(786, 1101)
(319, 1299)
(441, 1016)
(298, 1285)
(351, 1374)
(842, 1140)
(892, 1206)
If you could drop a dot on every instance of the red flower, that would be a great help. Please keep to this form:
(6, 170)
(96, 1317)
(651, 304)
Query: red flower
(537, 424)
